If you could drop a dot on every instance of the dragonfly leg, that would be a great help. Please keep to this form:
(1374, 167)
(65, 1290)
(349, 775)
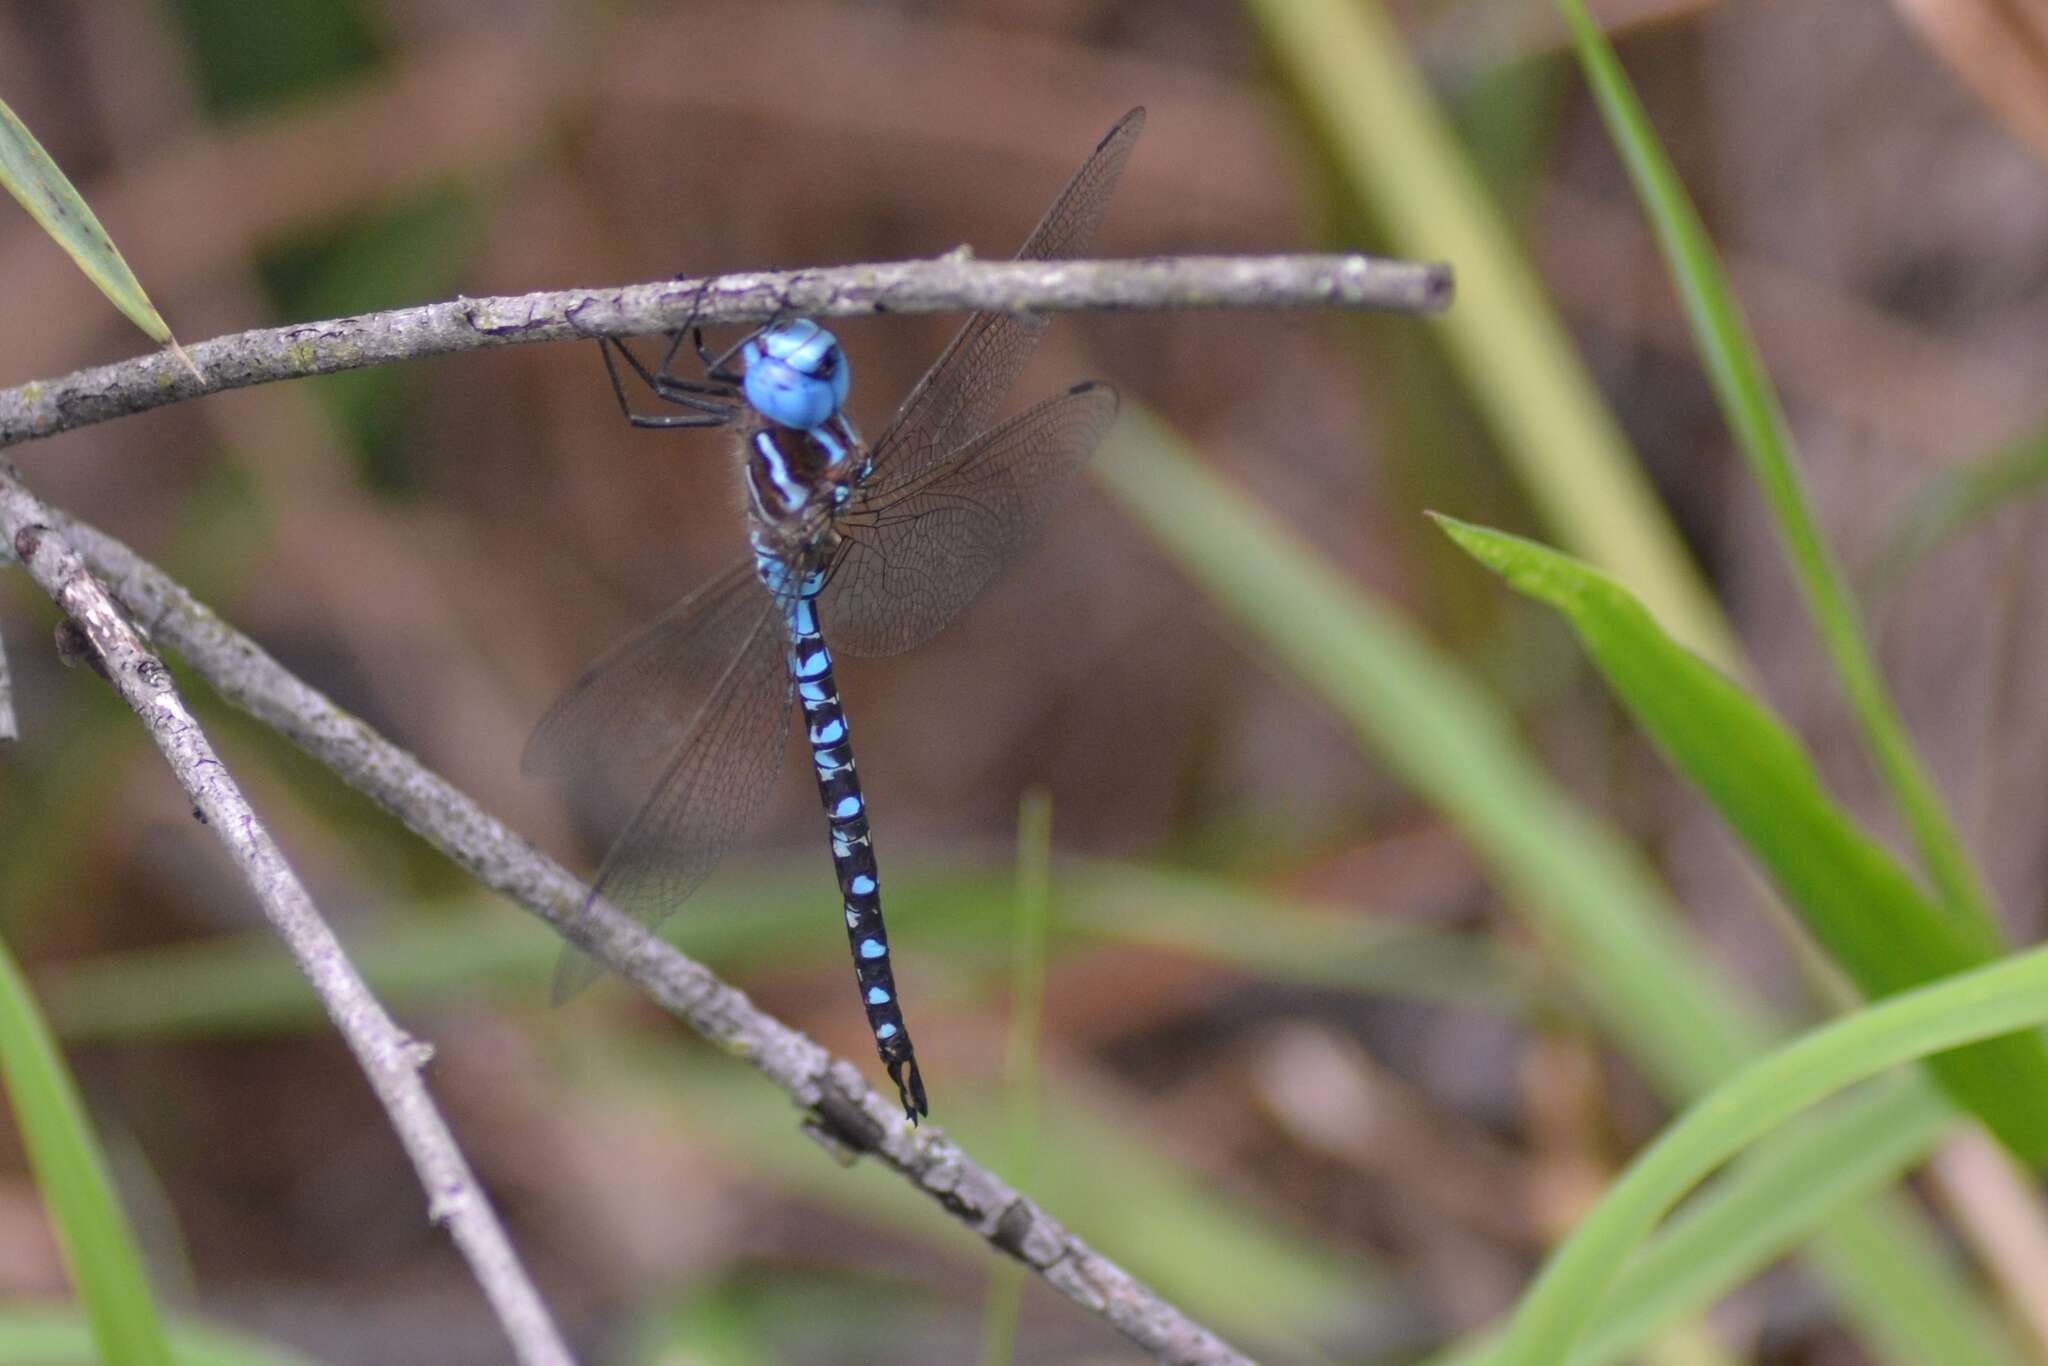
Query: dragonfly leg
(718, 364)
(707, 411)
(667, 384)
(719, 376)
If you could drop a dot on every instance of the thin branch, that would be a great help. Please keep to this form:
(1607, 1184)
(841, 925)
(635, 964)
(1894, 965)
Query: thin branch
(954, 283)
(389, 1057)
(10, 728)
(845, 1113)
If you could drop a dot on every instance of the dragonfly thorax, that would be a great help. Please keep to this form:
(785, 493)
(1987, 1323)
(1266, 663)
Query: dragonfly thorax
(796, 374)
(797, 480)
(803, 458)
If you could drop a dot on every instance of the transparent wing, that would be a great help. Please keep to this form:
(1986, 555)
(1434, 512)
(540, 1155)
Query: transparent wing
(958, 396)
(703, 698)
(632, 707)
(913, 556)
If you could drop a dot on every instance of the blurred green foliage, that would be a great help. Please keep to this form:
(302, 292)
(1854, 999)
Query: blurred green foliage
(248, 57)
(1621, 963)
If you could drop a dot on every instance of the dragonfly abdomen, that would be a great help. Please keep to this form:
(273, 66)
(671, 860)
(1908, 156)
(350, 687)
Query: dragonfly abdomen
(853, 853)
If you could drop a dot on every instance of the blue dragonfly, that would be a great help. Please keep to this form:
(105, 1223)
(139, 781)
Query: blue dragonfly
(884, 543)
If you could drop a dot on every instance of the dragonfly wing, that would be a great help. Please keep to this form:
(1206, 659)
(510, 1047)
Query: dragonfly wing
(958, 396)
(913, 556)
(632, 707)
(702, 698)
(715, 786)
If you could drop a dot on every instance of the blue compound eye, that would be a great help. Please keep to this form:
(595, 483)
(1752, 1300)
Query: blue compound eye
(796, 374)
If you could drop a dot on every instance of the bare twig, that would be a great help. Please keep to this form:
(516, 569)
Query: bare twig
(844, 1112)
(951, 284)
(388, 1056)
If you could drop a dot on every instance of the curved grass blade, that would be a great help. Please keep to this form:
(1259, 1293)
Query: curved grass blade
(1980, 1005)
(1750, 404)
(99, 1249)
(1781, 1196)
(1858, 901)
(1784, 1192)
(1578, 884)
(33, 179)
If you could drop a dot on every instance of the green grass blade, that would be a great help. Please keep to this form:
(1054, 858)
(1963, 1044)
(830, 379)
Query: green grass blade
(1984, 1004)
(1020, 1068)
(1855, 898)
(1783, 1193)
(1398, 155)
(244, 985)
(1956, 498)
(241, 985)
(52, 1336)
(1028, 959)
(1579, 884)
(1750, 404)
(1913, 1318)
(99, 1249)
(1287, 940)
(1248, 1274)
(33, 179)
(1780, 1197)
(1450, 743)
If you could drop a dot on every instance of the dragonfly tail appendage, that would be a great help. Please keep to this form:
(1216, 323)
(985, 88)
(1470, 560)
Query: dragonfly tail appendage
(909, 1084)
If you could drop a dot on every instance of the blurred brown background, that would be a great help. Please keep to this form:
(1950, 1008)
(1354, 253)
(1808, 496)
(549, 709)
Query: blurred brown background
(442, 546)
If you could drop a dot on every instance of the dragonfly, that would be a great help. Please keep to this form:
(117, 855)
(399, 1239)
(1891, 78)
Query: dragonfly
(883, 543)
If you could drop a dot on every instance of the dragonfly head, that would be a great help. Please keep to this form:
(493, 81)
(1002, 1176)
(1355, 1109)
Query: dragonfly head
(796, 374)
